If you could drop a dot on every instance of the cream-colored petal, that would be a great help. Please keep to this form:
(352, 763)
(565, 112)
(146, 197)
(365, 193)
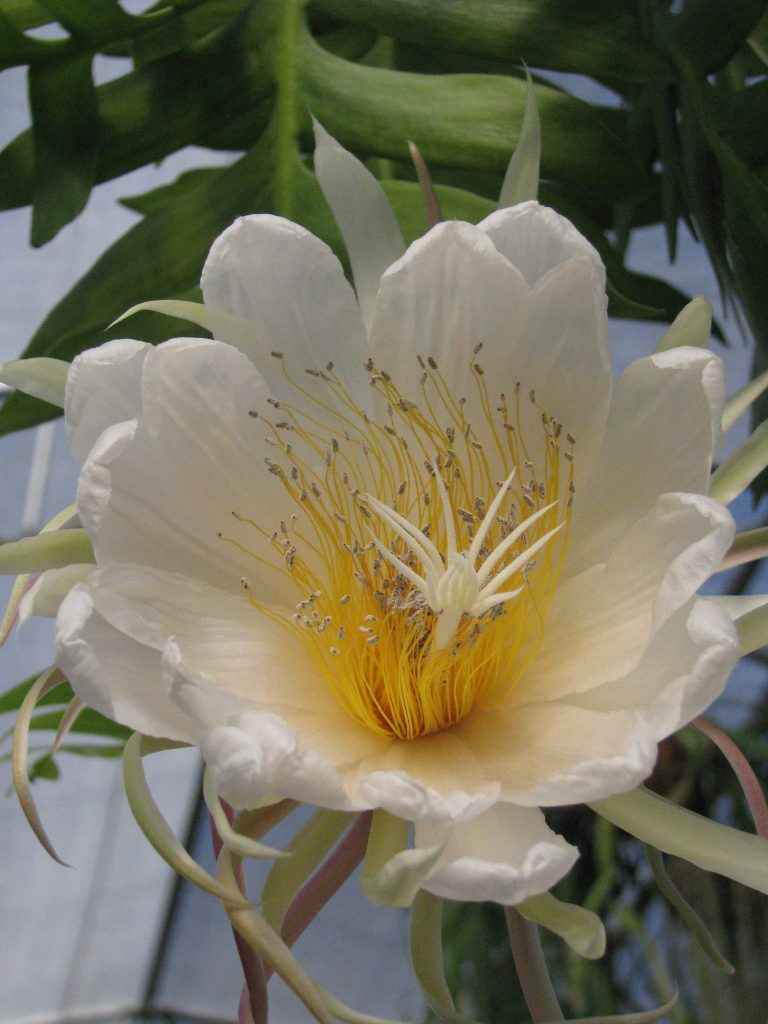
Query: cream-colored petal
(450, 292)
(563, 357)
(114, 674)
(221, 656)
(166, 492)
(50, 588)
(257, 756)
(555, 753)
(602, 621)
(681, 672)
(362, 211)
(663, 427)
(434, 778)
(289, 292)
(103, 388)
(506, 854)
(535, 239)
(453, 297)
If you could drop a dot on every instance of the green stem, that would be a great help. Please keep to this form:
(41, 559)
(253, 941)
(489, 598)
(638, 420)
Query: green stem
(531, 968)
(287, 119)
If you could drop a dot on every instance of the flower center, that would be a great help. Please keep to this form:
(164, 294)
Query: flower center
(423, 579)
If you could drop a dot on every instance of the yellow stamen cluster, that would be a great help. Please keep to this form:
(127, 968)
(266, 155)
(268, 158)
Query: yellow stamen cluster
(362, 488)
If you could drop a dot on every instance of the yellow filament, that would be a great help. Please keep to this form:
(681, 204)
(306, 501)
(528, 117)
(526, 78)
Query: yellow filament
(367, 627)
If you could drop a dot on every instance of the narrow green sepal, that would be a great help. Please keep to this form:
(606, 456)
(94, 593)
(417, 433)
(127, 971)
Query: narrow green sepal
(242, 846)
(682, 833)
(305, 852)
(426, 943)
(267, 944)
(752, 628)
(691, 326)
(393, 873)
(179, 309)
(738, 404)
(48, 681)
(40, 377)
(156, 828)
(521, 182)
(579, 927)
(52, 550)
(734, 476)
(688, 915)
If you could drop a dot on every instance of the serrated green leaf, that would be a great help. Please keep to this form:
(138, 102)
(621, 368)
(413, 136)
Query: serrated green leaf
(165, 39)
(94, 20)
(16, 47)
(712, 31)
(65, 129)
(156, 110)
(44, 768)
(25, 13)
(602, 38)
(156, 198)
(665, 119)
(470, 121)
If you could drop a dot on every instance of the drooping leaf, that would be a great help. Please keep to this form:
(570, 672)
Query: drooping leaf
(712, 31)
(601, 38)
(94, 20)
(65, 130)
(16, 47)
(156, 110)
(470, 121)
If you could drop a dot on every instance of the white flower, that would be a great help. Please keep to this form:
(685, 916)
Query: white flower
(438, 564)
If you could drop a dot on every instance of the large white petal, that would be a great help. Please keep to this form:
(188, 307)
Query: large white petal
(602, 620)
(221, 657)
(257, 756)
(450, 292)
(662, 430)
(563, 357)
(506, 855)
(161, 491)
(535, 239)
(103, 387)
(289, 292)
(362, 211)
(114, 674)
(454, 291)
(434, 778)
(554, 753)
(681, 672)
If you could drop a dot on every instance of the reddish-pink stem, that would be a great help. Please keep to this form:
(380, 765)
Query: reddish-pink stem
(742, 769)
(325, 882)
(253, 999)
